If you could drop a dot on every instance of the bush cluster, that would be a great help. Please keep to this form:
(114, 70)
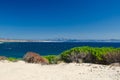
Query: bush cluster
(104, 55)
(53, 59)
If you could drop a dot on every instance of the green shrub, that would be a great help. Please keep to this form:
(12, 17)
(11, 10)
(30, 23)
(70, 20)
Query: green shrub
(112, 57)
(77, 54)
(13, 59)
(53, 59)
(102, 55)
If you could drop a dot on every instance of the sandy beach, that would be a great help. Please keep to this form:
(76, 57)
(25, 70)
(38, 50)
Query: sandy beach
(25, 71)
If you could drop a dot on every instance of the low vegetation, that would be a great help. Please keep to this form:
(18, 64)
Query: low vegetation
(104, 55)
(13, 59)
(53, 59)
(32, 57)
(86, 54)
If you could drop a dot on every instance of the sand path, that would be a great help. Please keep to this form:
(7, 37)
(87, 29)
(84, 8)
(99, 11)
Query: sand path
(24, 71)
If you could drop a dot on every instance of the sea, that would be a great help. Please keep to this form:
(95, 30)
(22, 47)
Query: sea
(19, 49)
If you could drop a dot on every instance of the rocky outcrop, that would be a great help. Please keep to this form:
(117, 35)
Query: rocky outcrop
(32, 57)
(3, 58)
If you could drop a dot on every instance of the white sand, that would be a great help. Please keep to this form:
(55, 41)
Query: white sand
(24, 71)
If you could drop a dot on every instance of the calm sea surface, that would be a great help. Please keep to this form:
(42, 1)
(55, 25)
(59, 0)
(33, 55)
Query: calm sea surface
(18, 49)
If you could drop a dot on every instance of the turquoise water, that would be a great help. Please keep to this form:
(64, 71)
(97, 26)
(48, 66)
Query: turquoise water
(18, 49)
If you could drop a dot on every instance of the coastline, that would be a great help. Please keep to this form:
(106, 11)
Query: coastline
(15, 69)
(59, 40)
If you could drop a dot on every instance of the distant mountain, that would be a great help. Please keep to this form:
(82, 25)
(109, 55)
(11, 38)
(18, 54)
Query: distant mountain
(60, 40)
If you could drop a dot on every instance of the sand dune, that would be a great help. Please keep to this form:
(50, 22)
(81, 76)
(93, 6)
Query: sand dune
(24, 71)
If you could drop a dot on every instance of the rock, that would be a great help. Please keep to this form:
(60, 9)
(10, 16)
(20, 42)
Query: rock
(115, 64)
(3, 58)
(32, 57)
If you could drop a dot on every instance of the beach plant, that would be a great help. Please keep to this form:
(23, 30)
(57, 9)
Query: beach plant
(13, 59)
(112, 57)
(53, 59)
(77, 54)
(101, 55)
(32, 57)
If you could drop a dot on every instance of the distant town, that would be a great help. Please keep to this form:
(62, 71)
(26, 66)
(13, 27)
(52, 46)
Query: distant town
(59, 40)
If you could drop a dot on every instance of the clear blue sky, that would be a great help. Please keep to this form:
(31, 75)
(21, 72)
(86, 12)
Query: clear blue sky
(47, 19)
